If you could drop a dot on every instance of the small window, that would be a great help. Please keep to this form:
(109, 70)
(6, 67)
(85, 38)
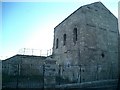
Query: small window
(57, 43)
(75, 35)
(64, 39)
(103, 55)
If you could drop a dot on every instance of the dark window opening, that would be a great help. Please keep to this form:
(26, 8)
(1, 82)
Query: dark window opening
(88, 7)
(57, 43)
(64, 39)
(102, 55)
(75, 35)
(53, 69)
(96, 10)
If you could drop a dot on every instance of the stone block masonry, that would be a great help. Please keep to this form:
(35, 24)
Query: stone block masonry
(88, 37)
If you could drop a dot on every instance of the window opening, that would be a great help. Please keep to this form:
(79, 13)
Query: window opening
(64, 39)
(57, 43)
(75, 35)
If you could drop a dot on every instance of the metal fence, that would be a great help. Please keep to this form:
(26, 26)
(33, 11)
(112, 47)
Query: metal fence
(30, 51)
(38, 76)
(38, 52)
(22, 76)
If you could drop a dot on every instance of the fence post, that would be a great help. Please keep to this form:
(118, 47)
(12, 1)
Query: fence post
(111, 71)
(59, 74)
(97, 72)
(24, 51)
(43, 75)
(47, 52)
(50, 52)
(40, 52)
(32, 51)
(17, 75)
(80, 74)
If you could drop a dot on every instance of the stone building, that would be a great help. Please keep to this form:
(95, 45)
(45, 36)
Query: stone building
(88, 37)
(85, 48)
(25, 64)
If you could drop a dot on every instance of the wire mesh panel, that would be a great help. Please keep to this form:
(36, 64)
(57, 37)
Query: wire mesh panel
(41, 76)
(23, 76)
(31, 75)
(9, 77)
(68, 74)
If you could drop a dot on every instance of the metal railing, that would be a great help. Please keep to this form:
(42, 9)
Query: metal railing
(38, 52)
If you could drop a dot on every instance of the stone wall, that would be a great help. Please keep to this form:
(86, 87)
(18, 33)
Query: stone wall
(84, 73)
(85, 49)
(26, 65)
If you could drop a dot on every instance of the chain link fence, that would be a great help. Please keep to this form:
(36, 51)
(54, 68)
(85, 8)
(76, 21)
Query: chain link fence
(36, 76)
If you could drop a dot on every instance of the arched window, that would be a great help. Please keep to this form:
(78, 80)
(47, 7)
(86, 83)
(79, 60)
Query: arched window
(64, 39)
(75, 35)
(56, 43)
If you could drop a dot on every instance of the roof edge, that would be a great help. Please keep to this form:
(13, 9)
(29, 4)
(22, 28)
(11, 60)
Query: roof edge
(75, 11)
(23, 55)
(80, 8)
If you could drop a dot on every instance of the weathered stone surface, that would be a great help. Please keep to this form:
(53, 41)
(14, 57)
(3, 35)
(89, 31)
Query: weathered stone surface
(50, 72)
(24, 65)
(85, 49)
(96, 43)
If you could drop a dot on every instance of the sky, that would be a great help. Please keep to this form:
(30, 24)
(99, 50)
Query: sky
(31, 24)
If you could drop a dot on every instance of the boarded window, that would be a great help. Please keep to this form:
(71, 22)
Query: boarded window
(56, 43)
(75, 35)
(64, 39)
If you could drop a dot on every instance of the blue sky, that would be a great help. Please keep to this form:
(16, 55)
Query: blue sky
(31, 24)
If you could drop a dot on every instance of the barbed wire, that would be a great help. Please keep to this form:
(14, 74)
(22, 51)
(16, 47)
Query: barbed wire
(31, 51)
(3, 57)
(38, 52)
